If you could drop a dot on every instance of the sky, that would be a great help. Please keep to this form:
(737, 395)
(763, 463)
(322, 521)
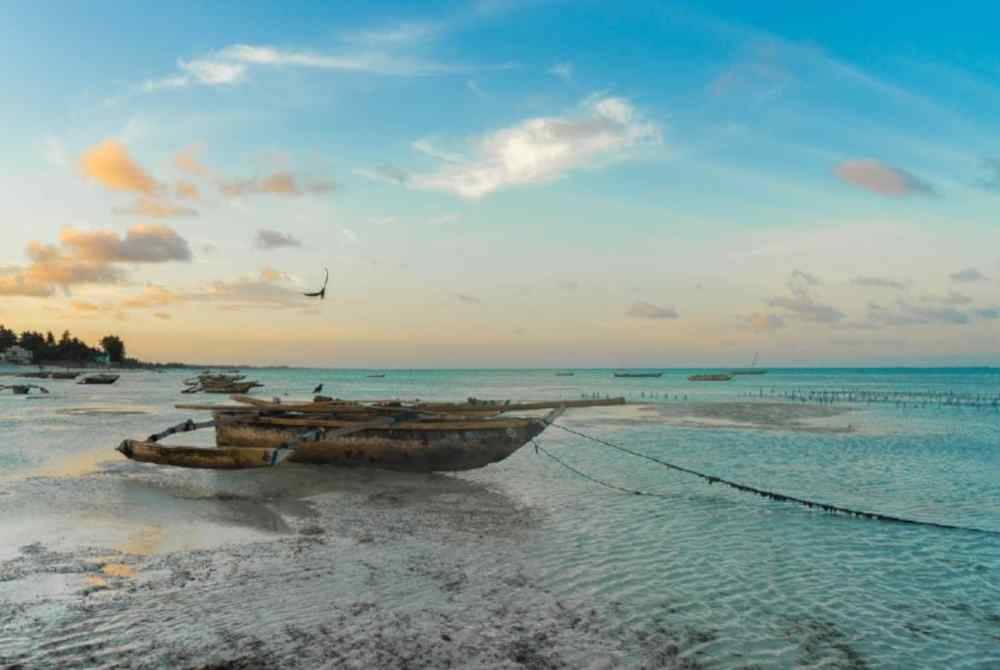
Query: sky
(499, 183)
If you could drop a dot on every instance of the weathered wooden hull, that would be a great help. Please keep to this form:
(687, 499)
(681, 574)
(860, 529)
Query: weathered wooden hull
(405, 446)
(99, 379)
(231, 458)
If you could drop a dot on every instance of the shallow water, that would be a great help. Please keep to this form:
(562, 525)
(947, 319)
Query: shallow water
(522, 558)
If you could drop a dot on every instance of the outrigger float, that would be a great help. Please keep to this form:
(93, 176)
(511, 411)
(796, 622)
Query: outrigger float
(410, 437)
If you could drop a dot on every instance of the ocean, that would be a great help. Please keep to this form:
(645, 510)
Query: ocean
(697, 574)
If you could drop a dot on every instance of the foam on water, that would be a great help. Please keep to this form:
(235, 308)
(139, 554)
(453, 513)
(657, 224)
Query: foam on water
(742, 580)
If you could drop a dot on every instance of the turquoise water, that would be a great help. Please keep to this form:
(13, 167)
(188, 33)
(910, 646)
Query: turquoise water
(753, 582)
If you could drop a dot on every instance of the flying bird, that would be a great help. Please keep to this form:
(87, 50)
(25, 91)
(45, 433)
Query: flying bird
(321, 294)
(318, 389)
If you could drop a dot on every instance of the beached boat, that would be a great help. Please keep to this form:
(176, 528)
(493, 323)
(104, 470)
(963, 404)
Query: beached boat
(219, 383)
(710, 378)
(23, 389)
(99, 379)
(64, 375)
(394, 436)
(638, 375)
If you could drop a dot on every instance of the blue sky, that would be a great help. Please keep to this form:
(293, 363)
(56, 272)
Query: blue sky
(506, 183)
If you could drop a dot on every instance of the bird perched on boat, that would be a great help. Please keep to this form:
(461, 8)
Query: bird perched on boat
(318, 389)
(321, 294)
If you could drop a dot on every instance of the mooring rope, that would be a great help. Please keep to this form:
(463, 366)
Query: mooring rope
(772, 495)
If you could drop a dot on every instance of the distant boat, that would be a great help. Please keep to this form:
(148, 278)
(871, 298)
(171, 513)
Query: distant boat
(752, 370)
(378, 375)
(710, 378)
(565, 374)
(636, 375)
(99, 379)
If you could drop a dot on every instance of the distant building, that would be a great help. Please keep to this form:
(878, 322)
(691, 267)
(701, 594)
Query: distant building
(17, 355)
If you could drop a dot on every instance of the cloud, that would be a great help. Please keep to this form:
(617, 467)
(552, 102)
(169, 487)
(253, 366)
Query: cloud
(562, 70)
(152, 296)
(279, 183)
(187, 190)
(141, 244)
(385, 172)
(953, 298)
(907, 314)
(765, 323)
(543, 149)
(188, 161)
(424, 146)
(967, 275)
(90, 257)
(55, 152)
(645, 310)
(468, 299)
(232, 64)
(989, 313)
(84, 307)
(878, 282)
(807, 309)
(991, 179)
(802, 303)
(156, 208)
(880, 178)
(274, 239)
(109, 164)
(163, 316)
(269, 290)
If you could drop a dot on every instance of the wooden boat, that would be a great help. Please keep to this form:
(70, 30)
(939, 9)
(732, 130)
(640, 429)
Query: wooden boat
(387, 436)
(709, 378)
(99, 379)
(230, 388)
(638, 375)
(64, 375)
(23, 389)
(565, 374)
(377, 376)
(752, 370)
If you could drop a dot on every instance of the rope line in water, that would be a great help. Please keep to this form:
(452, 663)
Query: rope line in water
(772, 495)
(542, 450)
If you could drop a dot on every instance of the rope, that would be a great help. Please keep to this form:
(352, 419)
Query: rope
(772, 495)
(539, 449)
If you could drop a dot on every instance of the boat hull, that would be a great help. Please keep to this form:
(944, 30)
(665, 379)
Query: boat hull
(406, 448)
(233, 458)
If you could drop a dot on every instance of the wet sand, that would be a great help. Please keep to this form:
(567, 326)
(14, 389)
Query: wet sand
(337, 569)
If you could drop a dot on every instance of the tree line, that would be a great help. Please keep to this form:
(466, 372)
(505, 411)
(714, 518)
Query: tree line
(67, 348)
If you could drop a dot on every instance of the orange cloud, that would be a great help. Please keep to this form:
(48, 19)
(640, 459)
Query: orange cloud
(153, 296)
(90, 257)
(187, 161)
(156, 209)
(187, 190)
(109, 164)
(880, 178)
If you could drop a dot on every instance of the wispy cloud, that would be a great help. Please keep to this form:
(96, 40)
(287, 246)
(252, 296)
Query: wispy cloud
(968, 275)
(385, 172)
(274, 239)
(880, 178)
(279, 183)
(990, 180)
(802, 303)
(562, 70)
(878, 282)
(645, 310)
(155, 208)
(468, 299)
(542, 149)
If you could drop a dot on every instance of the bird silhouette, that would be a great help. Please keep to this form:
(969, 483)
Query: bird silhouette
(321, 294)
(318, 389)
